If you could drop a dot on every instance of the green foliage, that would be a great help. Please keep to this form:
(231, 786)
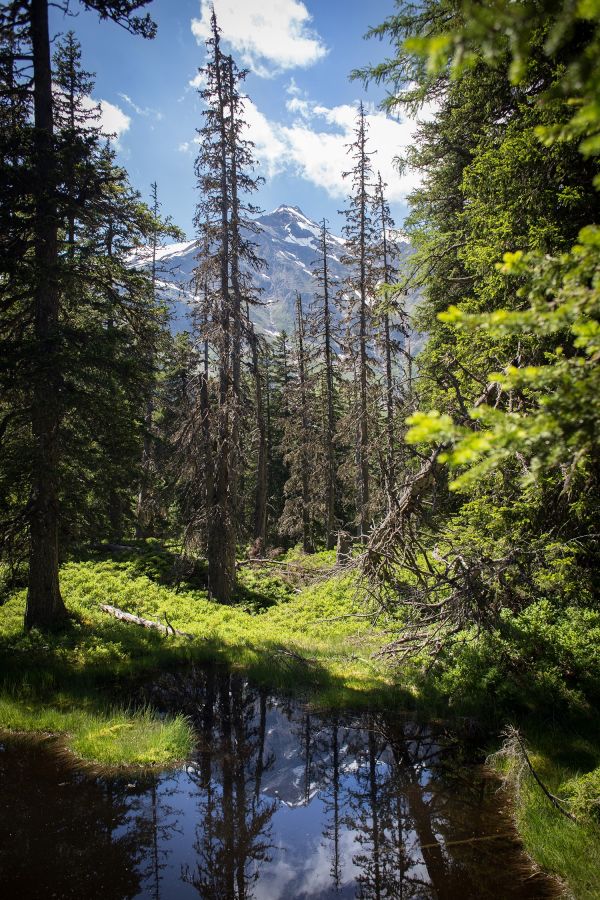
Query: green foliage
(546, 656)
(562, 847)
(583, 793)
(283, 635)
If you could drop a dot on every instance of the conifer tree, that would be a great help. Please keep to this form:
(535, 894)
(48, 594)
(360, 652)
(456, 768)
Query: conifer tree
(277, 383)
(298, 514)
(224, 166)
(24, 25)
(358, 290)
(384, 225)
(322, 324)
(259, 523)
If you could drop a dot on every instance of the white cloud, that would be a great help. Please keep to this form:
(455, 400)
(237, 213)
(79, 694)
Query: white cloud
(146, 111)
(198, 81)
(269, 142)
(315, 145)
(113, 120)
(189, 146)
(269, 35)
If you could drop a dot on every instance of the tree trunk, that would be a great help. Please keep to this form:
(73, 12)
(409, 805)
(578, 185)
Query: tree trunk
(260, 496)
(143, 517)
(306, 536)
(221, 544)
(330, 435)
(363, 363)
(44, 602)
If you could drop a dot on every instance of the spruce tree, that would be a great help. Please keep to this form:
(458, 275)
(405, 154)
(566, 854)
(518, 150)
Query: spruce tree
(297, 518)
(322, 324)
(358, 290)
(224, 166)
(45, 279)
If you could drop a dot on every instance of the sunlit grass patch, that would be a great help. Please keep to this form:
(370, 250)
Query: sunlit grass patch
(107, 738)
(559, 845)
(285, 631)
(134, 738)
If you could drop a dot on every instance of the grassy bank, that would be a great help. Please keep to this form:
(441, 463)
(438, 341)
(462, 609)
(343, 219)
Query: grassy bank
(299, 625)
(567, 760)
(288, 628)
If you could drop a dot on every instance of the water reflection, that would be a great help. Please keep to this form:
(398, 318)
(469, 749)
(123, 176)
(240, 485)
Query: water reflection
(277, 803)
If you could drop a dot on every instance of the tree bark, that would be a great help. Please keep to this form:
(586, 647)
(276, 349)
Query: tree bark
(260, 495)
(330, 436)
(363, 362)
(44, 606)
(221, 544)
(304, 474)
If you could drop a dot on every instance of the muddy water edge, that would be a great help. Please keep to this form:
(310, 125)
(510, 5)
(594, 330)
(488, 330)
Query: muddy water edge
(277, 802)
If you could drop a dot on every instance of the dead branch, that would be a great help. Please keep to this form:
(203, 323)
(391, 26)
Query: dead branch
(513, 748)
(145, 623)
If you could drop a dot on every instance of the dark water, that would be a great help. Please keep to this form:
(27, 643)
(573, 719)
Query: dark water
(276, 804)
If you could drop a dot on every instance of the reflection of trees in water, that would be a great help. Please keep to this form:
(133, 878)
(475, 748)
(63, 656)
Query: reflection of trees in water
(332, 800)
(400, 806)
(157, 824)
(233, 837)
(63, 833)
(393, 811)
(371, 811)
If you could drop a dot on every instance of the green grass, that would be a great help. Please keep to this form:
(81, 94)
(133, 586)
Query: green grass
(566, 759)
(294, 628)
(117, 738)
(278, 631)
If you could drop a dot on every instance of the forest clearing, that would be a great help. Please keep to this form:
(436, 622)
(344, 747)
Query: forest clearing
(299, 517)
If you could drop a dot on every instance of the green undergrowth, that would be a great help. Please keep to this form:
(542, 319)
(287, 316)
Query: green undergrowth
(298, 626)
(118, 737)
(566, 758)
(292, 627)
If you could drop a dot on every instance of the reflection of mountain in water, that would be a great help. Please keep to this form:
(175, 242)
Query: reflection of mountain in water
(278, 802)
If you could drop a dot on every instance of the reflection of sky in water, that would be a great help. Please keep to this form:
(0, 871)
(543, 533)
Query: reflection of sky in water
(271, 795)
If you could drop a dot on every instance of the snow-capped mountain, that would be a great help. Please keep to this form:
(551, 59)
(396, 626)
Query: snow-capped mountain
(287, 240)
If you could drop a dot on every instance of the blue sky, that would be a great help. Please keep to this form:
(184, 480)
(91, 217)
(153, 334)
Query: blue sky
(301, 106)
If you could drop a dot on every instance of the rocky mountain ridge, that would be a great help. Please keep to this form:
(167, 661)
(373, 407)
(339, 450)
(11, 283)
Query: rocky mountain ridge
(287, 240)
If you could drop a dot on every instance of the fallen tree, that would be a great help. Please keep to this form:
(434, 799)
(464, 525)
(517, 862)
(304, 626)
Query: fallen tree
(144, 623)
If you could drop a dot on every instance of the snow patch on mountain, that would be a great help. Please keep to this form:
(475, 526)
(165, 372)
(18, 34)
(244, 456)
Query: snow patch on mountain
(290, 244)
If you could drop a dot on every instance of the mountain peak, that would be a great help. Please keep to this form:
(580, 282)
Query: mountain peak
(287, 208)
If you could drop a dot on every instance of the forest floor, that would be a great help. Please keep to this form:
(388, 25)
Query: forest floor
(297, 624)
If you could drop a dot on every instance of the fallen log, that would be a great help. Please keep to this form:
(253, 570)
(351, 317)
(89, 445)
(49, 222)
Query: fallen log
(145, 623)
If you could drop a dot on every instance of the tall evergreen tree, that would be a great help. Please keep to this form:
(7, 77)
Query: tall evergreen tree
(224, 166)
(358, 290)
(322, 324)
(25, 25)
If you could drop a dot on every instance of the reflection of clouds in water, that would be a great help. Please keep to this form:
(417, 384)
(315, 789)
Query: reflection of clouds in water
(364, 811)
(275, 881)
(307, 874)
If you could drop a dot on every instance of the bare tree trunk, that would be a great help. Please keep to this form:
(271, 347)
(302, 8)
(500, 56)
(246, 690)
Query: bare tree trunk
(260, 496)
(45, 606)
(304, 474)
